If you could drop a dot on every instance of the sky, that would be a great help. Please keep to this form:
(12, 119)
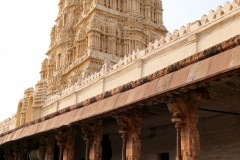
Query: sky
(25, 27)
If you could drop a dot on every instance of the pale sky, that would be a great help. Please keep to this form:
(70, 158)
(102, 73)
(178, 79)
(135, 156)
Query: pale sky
(24, 39)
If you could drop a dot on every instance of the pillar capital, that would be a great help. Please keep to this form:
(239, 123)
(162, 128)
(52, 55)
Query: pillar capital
(129, 121)
(27, 145)
(185, 116)
(93, 137)
(61, 139)
(61, 142)
(66, 142)
(184, 107)
(92, 129)
(50, 144)
(130, 130)
(18, 151)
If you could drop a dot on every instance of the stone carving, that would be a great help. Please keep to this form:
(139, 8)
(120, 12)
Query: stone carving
(70, 143)
(78, 33)
(130, 129)
(18, 152)
(50, 144)
(66, 143)
(93, 137)
(42, 149)
(61, 142)
(186, 118)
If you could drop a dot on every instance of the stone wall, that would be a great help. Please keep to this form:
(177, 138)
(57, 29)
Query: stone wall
(220, 137)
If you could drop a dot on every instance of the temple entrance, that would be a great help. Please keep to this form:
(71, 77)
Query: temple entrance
(106, 148)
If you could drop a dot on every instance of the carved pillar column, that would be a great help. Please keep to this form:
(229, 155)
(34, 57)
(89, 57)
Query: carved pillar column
(177, 118)
(185, 118)
(178, 143)
(87, 141)
(124, 137)
(93, 138)
(61, 140)
(27, 147)
(130, 130)
(61, 147)
(70, 143)
(50, 144)
(42, 149)
(18, 152)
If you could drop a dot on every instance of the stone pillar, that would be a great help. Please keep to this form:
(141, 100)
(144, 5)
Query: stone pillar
(61, 141)
(185, 118)
(70, 144)
(18, 152)
(124, 145)
(93, 138)
(130, 130)
(50, 144)
(27, 147)
(42, 149)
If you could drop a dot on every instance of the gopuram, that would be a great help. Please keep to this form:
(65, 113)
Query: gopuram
(117, 85)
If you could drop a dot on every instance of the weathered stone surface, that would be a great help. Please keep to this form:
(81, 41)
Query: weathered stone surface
(130, 130)
(93, 137)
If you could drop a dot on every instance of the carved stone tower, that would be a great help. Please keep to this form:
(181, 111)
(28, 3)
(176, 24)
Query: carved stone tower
(88, 35)
(89, 32)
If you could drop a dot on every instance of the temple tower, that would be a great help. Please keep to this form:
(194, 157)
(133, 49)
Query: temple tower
(89, 32)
